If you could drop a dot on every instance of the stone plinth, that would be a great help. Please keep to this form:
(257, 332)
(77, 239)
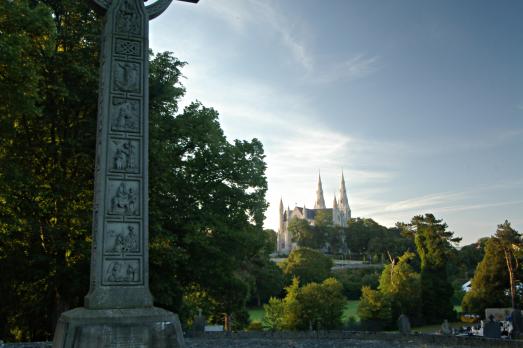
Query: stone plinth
(111, 328)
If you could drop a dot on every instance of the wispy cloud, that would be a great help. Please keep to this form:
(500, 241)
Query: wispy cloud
(242, 15)
(357, 67)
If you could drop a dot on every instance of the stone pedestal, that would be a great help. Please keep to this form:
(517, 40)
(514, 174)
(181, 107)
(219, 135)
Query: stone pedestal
(111, 328)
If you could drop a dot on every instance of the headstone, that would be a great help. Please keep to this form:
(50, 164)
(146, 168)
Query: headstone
(404, 324)
(199, 323)
(491, 328)
(119, 308)
(445, 328)
(517, 323)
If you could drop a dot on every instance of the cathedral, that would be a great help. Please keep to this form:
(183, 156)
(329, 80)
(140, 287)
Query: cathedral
(340, 214)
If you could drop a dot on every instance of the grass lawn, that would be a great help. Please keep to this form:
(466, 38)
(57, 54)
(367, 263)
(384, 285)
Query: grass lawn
(256, 313)
(350, 311)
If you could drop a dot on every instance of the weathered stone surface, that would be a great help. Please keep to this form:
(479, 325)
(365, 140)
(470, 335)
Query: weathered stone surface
(111, 328)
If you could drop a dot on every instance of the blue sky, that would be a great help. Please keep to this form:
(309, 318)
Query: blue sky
(419, 102)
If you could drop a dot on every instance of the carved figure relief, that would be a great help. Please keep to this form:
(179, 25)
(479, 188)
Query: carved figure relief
(122, 271)
(124, 199)
(127, 77)
(124, 156)
(128, 18)
(125, 115)
(122, 238)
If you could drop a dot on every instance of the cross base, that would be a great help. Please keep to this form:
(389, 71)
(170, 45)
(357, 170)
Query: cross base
(107, 328)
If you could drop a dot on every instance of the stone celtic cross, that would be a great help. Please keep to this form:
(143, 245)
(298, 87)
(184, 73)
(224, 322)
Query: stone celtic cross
(119, 260)
(118, 310)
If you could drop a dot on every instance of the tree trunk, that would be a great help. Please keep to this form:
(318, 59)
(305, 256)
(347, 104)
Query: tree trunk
(508, 259)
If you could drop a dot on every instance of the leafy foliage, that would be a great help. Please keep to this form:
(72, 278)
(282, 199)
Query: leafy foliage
(317, 306)
(353, 280)
(401, 283)
(433, 244)
(308, 265)
(374, 306)
(491, 285)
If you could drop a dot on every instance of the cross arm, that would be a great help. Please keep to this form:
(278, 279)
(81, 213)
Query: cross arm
(159, 6)
(103, 4)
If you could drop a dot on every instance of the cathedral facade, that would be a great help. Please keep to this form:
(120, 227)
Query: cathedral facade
(340, 215)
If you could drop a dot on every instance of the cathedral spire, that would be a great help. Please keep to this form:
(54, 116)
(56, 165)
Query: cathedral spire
(320, 201)
(335, 203)
(344, 201)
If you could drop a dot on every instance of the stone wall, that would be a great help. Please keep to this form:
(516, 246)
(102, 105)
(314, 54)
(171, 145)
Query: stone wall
(339, 339)
(332, 339)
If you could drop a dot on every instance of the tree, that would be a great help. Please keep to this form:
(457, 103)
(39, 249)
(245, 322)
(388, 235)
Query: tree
(303, 234)
(307, 264)
(353, 280)
(374, 308)
(490, 282)
(509, 241)
(497, 274)
(434, 244)
(321, 305)
(47, 142)
(274, 314)
(401, 284)
(315, 305)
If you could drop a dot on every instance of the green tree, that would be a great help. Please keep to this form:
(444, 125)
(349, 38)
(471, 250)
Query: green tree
(47, 127)
(509, 241)
(374, 309)
(315, 305)
(274, 314)
(303, 234)
(321, 305)
(307, 264)
(434, 244)
(490, 282)
(497, 274)
(353, 280)
(401, 284)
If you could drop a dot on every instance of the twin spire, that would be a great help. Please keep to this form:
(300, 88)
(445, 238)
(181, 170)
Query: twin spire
(343, 200)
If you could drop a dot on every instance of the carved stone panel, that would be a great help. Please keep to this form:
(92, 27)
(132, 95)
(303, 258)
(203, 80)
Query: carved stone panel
(125, 115)
(127, 76)
(128, 18)
(124, 197)
(122, 238)
(128, 47)
(120, 271)
(124, 155)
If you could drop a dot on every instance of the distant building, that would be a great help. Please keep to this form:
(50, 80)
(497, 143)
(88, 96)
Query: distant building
(340, 214)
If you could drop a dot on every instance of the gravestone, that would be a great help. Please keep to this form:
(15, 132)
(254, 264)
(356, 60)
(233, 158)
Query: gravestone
(118, 310)
(198, 326)
(404, 324)
(517, 323)
(445, 328)
(491, 328)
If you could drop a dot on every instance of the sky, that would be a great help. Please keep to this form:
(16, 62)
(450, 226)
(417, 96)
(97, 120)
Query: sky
(419, 103)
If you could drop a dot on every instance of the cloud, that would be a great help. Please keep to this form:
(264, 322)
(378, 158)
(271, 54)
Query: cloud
(245, 15)
(357, 67)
